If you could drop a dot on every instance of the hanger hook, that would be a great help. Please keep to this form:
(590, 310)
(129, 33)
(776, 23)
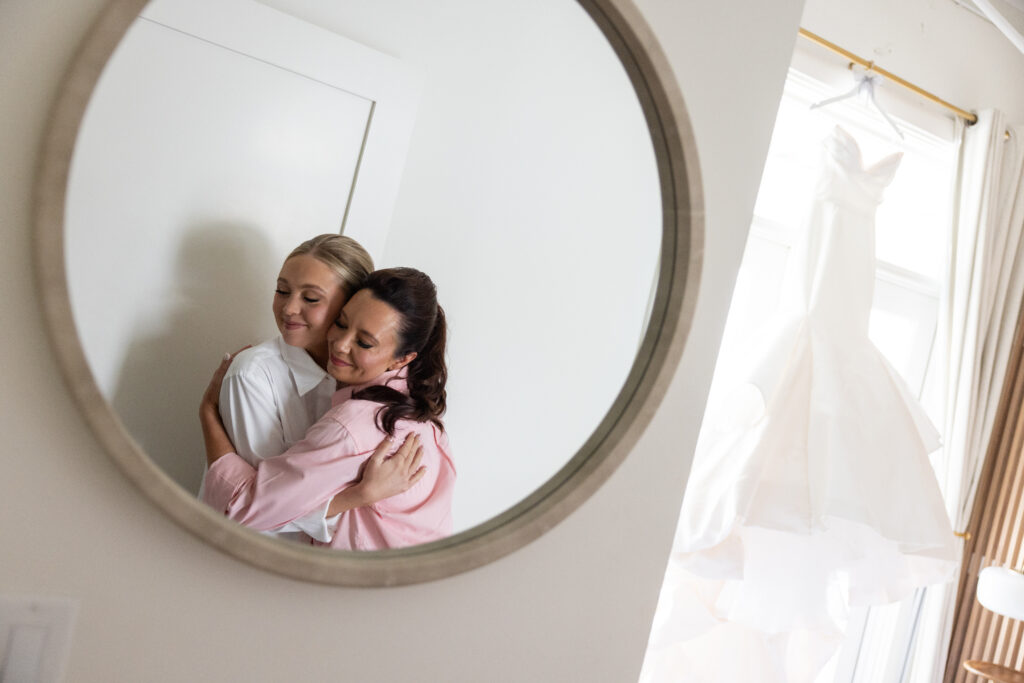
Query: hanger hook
(870, 67)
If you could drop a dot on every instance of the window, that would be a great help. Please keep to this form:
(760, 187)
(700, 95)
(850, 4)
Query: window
(911, 237)
(911, 224)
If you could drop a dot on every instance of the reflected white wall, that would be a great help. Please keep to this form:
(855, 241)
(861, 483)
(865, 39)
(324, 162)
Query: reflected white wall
(530, 195)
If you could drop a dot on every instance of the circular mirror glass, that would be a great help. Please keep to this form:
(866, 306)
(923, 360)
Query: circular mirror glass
(499, 147)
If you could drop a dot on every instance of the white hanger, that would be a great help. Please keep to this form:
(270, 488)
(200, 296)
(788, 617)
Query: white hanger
(865, 84)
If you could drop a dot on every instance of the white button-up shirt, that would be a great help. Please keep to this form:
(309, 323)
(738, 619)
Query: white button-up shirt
(272, 394)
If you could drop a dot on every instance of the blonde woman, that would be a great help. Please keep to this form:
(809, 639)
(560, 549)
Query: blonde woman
(275, 391)
(387, 349)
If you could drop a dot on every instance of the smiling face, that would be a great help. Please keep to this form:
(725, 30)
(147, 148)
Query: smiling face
(306, 302)
(363, 340)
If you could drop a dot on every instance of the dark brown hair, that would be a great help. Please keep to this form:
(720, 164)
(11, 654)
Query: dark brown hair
(424, 331)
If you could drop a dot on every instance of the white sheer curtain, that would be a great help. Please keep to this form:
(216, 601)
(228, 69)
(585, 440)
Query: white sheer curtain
(979, 312)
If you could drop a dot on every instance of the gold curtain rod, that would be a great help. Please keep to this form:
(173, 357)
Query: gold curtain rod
(870, 66)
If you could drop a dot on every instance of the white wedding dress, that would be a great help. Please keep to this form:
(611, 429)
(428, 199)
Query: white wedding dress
(811, 489)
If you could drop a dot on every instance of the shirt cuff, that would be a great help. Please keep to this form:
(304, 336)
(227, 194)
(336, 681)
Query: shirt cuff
(224, 479)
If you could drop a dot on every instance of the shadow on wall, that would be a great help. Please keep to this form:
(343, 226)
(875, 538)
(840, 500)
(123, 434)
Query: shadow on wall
(221, 302)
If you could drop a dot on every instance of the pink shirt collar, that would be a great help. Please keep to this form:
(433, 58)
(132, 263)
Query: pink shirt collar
(396, 379)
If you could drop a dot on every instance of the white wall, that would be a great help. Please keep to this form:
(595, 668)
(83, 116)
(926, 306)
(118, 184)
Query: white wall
(530, 196)
(182, 203)
(159, 605)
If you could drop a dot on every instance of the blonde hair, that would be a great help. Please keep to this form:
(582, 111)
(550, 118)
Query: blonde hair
(343, 255)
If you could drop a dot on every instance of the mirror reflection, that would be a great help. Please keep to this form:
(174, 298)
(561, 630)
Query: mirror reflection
(497, 147)
(385, 352)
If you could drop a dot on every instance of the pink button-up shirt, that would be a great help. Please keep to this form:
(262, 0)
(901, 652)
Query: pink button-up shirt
(325, 462)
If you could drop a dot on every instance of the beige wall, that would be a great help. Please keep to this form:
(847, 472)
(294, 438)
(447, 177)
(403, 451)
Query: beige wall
(159, 605)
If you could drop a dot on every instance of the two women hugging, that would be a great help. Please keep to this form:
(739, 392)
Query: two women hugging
(301, 430)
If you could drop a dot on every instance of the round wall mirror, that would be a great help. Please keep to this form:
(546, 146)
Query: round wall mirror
(533, 158)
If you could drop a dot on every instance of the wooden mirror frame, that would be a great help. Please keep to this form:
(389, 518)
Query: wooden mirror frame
(655, 364)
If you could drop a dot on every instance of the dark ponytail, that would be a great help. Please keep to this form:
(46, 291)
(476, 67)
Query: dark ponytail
(424, 331)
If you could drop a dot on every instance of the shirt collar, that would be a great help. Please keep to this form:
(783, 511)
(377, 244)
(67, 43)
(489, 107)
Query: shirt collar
(307, 374)
(396, 379)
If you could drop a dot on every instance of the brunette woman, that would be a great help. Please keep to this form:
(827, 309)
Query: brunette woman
(387, 346)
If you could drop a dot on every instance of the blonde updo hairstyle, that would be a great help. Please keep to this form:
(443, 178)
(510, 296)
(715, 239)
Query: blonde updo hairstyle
(343, 255)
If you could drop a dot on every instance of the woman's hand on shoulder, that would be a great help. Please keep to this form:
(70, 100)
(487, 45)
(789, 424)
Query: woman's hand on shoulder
(215, 437)
(383, 476)
(208, 406)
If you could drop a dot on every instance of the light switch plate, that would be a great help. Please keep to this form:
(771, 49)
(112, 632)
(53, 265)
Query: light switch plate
(35, 638)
